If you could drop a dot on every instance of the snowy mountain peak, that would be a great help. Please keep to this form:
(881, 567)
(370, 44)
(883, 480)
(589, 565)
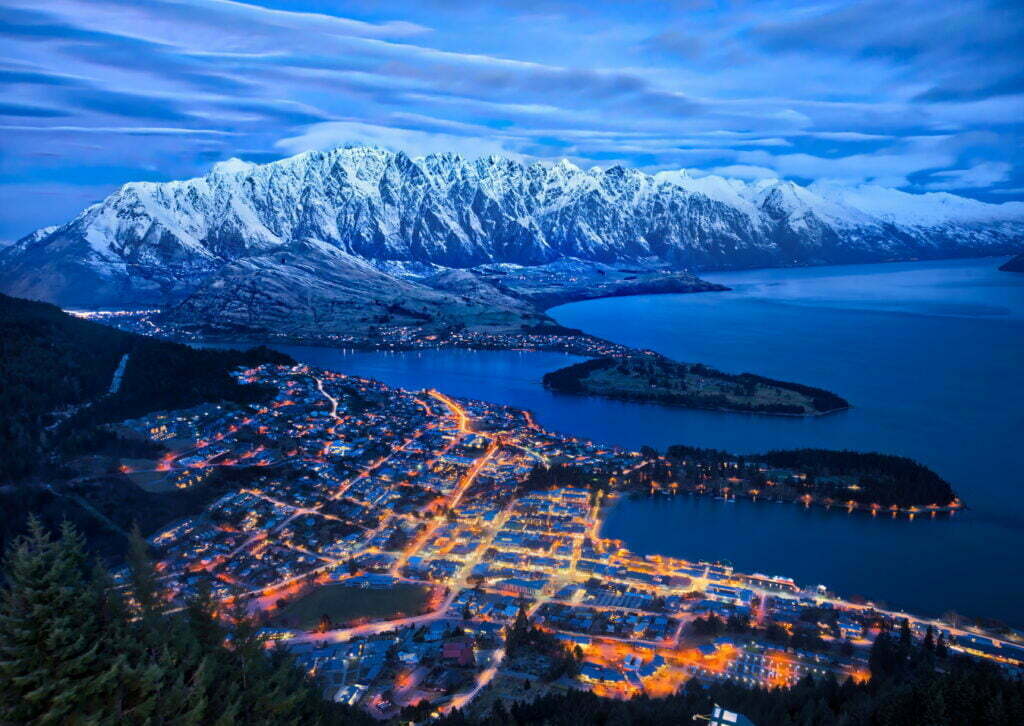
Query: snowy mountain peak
(150, 241)
(231, 166)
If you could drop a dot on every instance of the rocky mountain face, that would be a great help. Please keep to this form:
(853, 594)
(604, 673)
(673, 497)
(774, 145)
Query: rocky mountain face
(322, 229)
(1015, 264)
(316, 290)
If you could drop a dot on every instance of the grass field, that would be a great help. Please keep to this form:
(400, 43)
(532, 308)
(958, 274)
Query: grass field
(345, 604)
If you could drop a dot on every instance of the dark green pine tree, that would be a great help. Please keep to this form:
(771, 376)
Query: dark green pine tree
(931, 705)
(52, 669)
(929, 639)
(268, 683)
(906, 638)
(72, 652)
(170, 658)
(143, 579)
(134, 686)
(522, 623)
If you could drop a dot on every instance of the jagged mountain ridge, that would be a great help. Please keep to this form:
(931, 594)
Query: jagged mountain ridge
(151, 243)
(1015, 264)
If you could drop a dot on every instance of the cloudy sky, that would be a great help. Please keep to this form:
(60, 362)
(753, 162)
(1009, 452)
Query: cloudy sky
(923, 95)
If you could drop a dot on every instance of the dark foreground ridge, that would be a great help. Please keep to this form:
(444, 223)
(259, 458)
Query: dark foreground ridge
(655, 379)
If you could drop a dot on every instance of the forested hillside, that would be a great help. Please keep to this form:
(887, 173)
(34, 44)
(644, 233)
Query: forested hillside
(865, 477)
(56, 370)
(55, 377)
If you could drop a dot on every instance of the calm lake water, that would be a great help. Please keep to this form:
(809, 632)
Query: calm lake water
(929, 354)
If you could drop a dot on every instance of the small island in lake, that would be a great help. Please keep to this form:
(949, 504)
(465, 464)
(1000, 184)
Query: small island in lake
(652, 378)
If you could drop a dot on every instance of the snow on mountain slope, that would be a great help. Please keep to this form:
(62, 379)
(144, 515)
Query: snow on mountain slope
(153, 243)
(918, 210)
(733, 193)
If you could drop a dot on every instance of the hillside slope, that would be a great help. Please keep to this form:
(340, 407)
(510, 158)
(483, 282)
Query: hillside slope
(1014, 265)
(56, 372)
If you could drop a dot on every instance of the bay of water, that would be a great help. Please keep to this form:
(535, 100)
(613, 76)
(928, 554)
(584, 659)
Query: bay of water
(930, 356)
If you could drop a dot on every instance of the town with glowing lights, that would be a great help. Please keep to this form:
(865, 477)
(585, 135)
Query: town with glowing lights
(414, 550)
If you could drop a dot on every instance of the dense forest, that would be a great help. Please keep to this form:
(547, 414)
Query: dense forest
(563, 474)
(880, 478)
(72, 650)
(56, 370)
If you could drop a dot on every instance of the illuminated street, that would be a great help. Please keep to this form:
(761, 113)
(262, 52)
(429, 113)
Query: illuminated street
(368, 488)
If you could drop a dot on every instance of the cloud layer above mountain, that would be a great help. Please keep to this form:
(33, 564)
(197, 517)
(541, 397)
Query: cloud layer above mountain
(912, 94)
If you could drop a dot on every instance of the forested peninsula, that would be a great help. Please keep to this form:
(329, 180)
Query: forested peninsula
(652, 378)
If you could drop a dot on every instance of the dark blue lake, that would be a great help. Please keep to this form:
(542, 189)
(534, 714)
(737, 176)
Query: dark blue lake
(930, 355)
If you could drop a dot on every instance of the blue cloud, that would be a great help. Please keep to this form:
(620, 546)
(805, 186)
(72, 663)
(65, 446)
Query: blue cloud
(916, 94)
(15, 76)
(974, 89)
(17, 109)
(128, 105)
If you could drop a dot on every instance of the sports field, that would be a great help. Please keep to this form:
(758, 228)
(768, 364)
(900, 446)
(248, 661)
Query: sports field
(345, 604)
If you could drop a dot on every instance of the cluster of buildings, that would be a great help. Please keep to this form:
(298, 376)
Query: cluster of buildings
(386, 337)
(315, 478)
(342, 481)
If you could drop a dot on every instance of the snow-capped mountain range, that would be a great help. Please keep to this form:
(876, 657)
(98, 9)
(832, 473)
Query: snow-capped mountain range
(387, 215)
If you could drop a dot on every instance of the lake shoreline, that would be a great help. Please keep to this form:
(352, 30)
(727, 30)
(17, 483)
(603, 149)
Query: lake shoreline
(910, 512)
(899, 367)
(905, 340)
(627, 398)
